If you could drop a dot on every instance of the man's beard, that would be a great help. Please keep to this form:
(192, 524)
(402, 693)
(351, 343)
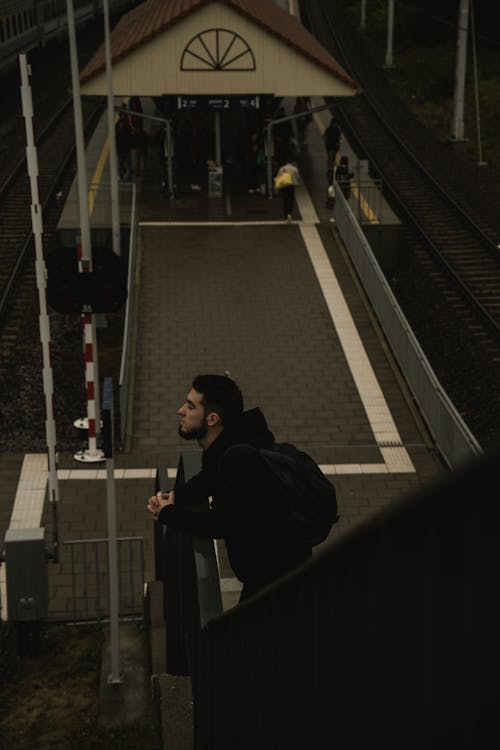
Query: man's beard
(193, 434)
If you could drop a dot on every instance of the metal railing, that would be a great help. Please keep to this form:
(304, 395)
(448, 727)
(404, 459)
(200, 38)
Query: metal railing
(366, 200)
(127, 346)
(384, 640)
(90, 579)
(181, 562)
(453, 438)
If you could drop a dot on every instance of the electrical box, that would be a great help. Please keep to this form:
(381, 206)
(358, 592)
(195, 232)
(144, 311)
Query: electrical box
(27, 575)
(215, 177)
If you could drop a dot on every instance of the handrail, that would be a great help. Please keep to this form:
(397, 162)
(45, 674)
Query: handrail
(383, 624)
(128, 327)
(188, 568)
(389, 628)
(452, 436)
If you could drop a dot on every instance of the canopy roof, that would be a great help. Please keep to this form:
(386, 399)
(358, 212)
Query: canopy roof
(216, 46)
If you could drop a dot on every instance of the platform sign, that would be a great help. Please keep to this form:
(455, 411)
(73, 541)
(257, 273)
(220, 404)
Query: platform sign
(218, 102)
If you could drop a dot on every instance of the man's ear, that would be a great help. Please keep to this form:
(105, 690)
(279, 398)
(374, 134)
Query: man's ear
(213, 419)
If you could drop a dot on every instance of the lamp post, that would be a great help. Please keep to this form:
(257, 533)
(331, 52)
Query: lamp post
(113, 166)
(457, 128)
(362, 22)
(390, 35)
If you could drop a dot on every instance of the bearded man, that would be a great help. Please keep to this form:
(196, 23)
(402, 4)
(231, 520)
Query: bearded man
(244, 508)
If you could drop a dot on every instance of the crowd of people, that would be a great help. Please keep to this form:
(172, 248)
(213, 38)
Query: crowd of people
(245, 148)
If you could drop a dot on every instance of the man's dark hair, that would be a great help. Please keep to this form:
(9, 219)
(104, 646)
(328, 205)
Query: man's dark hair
(222, 395)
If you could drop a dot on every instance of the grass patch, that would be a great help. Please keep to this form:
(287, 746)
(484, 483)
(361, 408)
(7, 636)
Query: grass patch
(51, 701)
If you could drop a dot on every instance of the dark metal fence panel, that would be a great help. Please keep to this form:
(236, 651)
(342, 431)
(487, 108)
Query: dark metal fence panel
(175, 567)
(388, 639)
(88, 565)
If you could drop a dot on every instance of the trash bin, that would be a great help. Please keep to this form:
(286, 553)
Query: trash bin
(215, 177)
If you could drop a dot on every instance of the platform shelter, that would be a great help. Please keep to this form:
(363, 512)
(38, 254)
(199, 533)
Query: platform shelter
(216, 70)
(223, 48)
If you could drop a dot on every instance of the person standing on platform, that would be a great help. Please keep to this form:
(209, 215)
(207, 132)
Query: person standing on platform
(123, 139)
(330, 190)
(302, 104)
(286, 181)
(254, 162)
(282, 136)
(234, 484)
(343, 176)
(332, 137)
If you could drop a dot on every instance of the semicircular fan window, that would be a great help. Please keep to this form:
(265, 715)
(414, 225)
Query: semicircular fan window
(217, 49)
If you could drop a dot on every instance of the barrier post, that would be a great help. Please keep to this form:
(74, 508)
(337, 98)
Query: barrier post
(41, 282)
(107, 432)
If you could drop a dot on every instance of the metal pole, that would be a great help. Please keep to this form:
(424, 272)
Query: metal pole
(79, 138)
(269, 139)
(218, 157)
(457, 130)
(115, 203)
(86, 251)
(389, 59)
(41, 282)
(390, 34)
(169, 159)
(114, 626)
(480, 162)
(362, 23)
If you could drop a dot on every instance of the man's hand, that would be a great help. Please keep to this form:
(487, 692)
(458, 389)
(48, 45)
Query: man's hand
(159, 501)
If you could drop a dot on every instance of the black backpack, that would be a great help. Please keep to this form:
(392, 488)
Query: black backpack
(308, 496)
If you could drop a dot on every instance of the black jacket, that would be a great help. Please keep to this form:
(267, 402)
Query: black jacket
(244, 510)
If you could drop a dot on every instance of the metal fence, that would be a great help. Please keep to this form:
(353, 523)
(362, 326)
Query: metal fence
(453, 438)
(388, 639)
(90, 579)
(365, 200)
(127, 349)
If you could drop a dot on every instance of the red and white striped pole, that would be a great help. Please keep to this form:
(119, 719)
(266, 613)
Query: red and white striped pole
(92, 453)
(41, 282)
(84, 257)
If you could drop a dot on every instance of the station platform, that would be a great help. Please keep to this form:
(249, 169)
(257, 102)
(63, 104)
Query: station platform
(232, 286)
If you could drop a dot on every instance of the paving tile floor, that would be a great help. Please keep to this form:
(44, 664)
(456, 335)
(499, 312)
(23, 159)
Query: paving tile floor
(243, 298)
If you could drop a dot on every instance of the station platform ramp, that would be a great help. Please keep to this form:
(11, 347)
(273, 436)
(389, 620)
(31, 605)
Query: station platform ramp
(225, 284)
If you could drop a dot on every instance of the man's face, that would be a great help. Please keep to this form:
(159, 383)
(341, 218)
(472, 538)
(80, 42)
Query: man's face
(192, 420)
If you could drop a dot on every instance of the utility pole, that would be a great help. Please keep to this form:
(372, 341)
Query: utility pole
(389, 61)
(362, 22)
(115, 203)
(457, 129)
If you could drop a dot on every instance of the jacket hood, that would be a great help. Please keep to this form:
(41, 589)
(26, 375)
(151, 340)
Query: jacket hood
(252, 429)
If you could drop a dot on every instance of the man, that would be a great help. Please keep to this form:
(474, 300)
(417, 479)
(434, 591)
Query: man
(244, 508)
(332, 137)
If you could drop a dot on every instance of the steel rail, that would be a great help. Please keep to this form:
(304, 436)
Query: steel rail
(17, 173)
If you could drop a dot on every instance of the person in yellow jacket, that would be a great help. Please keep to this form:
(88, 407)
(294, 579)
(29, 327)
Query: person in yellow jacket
(285, 181)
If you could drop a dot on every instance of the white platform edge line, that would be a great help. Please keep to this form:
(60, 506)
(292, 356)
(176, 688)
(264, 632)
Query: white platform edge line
(211, 223)
(395, 459)
(372, 397)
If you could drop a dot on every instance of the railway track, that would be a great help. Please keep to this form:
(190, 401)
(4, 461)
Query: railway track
(22, 410)
(448, 277)
(55, 149)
